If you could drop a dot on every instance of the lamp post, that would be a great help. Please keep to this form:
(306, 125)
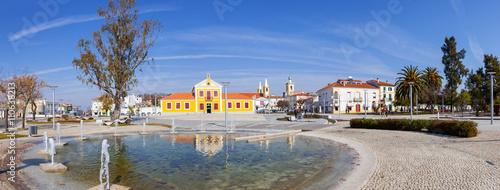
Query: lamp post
(155, 107)
(491, 79)
(225, 102)
(411, 100)
(53, 106)
(365, 103)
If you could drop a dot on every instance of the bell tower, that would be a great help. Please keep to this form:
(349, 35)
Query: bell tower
(259, 90)
(290, 87)
(266, 89)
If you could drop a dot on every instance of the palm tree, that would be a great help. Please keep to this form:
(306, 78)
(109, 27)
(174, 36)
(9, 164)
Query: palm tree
(409, 74)
(431, 77)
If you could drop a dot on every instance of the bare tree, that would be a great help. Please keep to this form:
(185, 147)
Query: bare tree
(110, 60)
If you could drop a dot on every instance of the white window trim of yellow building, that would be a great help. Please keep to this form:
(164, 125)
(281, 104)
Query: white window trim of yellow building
(246, 105)
(217, 93)
(199, 106)
(166, 104)
(238, 103)
(180, 104)
(229, 105)
(189, 105)
(218, 108)
(201, 93)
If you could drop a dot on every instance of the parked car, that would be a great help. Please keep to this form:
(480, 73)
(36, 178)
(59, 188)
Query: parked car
(263, 111)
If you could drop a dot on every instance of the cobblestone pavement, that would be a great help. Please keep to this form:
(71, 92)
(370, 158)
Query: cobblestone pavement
(417, 160)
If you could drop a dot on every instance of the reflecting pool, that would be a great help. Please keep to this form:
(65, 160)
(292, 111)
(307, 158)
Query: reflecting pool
(196, 161)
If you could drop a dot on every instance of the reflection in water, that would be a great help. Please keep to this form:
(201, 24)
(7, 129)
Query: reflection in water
(208, 145)
(291, 141)
(289, 162)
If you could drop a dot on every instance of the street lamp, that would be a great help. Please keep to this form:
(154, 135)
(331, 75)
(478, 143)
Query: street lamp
(411, 100)
(491, 79)
(365, 102)
(225, 102)
(53, 106)
(155, 107)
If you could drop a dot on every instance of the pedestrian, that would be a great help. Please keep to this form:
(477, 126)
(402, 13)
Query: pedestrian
(383, 112)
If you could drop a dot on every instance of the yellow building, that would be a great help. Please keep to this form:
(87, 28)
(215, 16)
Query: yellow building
(207, 97)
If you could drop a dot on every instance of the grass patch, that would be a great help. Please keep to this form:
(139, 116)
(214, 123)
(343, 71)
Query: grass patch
(160, 124)
(4, 136)
(60, 121)
(121, 124)
(282, 119)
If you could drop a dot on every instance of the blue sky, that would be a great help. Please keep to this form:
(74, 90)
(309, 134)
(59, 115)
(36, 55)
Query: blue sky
(248, 41)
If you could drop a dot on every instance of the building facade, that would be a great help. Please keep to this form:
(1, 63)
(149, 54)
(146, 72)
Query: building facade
(349, 95)
(207, 97)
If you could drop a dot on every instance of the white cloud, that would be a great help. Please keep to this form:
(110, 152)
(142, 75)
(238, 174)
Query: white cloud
(70, 20)
(53, 70)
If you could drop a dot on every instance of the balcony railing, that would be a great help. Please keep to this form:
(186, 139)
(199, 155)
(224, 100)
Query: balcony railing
(357, 99)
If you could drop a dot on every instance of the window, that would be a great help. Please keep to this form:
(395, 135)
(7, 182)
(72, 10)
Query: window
(169, 106)
(390, 89)
(390, 96)
(348, 95)
(247, 105)
(202, 106)
(177, 105)
(230, 105)
(384, 88)
(238, 105)
(201, 93)
(384, 96)
(209, 95)
(336, 95)
(374, 95)
(216, 106)
(216, 93)
(358, 95)
(186, 105)
(261, 103)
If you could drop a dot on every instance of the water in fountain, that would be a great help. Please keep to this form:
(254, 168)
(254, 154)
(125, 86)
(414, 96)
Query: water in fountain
(147, 121)
(81, 129)
(172, 129)
(46, 141)
(116, 127)
(143, 127)
(232, 125)
(52, 151)
(201, 126)
(58, 133)
(104, 171)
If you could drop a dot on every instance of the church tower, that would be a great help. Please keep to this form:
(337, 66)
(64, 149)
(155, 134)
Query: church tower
(259, 90)
(266, 89)
(290, 87)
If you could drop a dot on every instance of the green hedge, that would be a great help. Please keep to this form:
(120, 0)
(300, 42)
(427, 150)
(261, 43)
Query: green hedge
(315, 116)
(447, 127)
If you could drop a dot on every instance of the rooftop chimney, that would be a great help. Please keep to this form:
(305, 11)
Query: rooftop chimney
(387, 81)
(378, 80)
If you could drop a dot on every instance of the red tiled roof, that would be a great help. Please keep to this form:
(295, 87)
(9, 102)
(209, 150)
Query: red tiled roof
(177, 96)
(301, 94)
(277, 97)
(243, 95)
(337, 84)
(384, 83)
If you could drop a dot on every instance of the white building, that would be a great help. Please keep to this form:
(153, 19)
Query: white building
(348, 95)
(275, 100)
(131, 100)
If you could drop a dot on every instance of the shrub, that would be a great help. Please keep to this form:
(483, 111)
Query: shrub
(49, 119)
(65, 116)
(315, 116)
(290, 113)
(90, 118)
(447, 127)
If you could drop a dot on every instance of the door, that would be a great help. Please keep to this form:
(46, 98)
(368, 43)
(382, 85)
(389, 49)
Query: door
(358, 108)
(209, 107)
